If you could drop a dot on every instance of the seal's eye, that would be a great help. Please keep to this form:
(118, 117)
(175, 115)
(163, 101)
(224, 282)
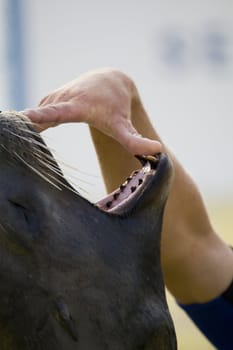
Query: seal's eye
(22, 222)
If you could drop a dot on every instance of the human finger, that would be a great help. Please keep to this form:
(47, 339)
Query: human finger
(135, 143)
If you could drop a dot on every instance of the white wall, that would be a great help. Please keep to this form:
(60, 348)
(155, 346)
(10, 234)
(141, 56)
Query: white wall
(166, 46)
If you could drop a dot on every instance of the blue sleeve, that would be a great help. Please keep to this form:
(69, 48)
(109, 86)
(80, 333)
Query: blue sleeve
(215, 320)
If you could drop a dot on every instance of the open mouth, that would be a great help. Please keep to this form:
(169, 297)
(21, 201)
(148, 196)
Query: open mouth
(125, 196)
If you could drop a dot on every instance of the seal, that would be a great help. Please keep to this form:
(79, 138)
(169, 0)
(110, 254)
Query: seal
(77, 275)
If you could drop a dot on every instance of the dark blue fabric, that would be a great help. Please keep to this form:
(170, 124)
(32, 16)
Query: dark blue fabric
(215, 320)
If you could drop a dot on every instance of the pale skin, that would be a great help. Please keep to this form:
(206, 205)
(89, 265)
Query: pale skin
(197, 264)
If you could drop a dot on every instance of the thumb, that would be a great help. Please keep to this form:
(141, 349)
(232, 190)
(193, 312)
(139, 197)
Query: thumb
(54, 114)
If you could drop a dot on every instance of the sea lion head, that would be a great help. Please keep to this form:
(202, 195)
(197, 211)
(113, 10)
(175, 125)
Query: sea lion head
(78, 275)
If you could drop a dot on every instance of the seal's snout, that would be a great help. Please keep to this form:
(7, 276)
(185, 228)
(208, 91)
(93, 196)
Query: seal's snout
(74, 275)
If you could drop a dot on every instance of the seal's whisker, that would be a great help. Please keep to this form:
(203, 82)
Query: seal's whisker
(72, 176)
(36, 171)
(78, 186)
(4, 147)
(50, 160)
(62, 184)
(46, 155)
(30, 131)
(36, 155)
(75, 178)
(50, 167)
(56, 171)
(42, 145)
(29, 140)
(45, 176)
(76, 169)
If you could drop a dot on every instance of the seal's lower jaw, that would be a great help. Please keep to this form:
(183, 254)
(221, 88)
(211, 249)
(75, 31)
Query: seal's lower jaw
(147, 179)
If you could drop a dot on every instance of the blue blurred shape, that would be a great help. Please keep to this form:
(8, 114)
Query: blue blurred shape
(174, 50)
(216, 45)
(15, 54)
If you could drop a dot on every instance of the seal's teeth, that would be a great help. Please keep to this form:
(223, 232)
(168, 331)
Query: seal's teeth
(140, 181)
(122, 187)
(129, 179)
(133, 188)
(108, 204)
(152, 159)
(116, 195)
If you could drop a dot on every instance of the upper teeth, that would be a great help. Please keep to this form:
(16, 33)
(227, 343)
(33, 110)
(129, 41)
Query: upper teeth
(152, 159)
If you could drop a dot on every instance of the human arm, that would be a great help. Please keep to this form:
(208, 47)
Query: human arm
(197, 264)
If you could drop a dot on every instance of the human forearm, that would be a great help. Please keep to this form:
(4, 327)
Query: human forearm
(191, 251)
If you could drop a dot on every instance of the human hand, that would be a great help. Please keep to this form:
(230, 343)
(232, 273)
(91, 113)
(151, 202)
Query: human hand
(103, 99)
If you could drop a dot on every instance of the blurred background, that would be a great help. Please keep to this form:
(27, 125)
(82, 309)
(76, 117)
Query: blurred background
(180, 54)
